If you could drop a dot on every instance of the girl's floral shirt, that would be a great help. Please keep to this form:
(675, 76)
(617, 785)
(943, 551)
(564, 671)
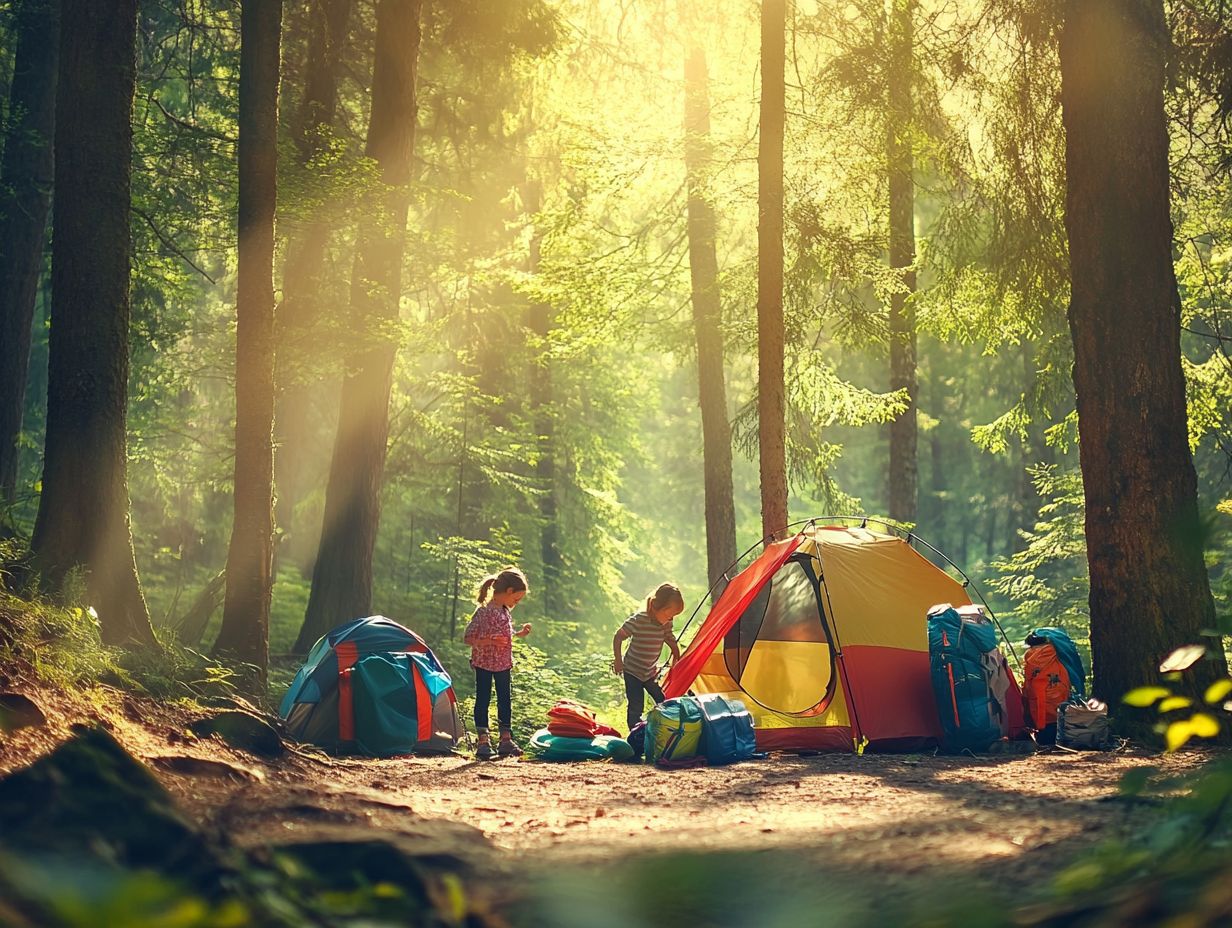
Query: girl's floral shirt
(491, 622)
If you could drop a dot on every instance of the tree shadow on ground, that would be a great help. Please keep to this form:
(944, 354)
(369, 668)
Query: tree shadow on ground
(840, 878)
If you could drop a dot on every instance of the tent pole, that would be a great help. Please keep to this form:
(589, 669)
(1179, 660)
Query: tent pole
(858, 730)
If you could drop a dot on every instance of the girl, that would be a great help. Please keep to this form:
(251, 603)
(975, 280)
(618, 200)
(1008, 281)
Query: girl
(490, 635)
(647, 632)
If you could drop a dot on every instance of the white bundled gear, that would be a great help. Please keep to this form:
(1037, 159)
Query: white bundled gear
(1083, 725)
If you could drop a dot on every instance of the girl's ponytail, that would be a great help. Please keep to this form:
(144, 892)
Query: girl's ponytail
(510, 578)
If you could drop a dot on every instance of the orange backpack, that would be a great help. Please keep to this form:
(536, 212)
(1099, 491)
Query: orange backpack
(1046, 685)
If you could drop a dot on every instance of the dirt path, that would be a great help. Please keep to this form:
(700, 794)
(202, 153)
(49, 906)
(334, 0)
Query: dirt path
(893, 822)
(883, 816)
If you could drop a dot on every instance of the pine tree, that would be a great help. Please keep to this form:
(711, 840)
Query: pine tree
(245, 619)
(771, 401)
(83, 515)
(25, 196)
(342, 575)
(1149, 586)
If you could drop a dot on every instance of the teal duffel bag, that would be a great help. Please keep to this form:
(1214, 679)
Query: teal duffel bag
(546, 746)
(727, 730)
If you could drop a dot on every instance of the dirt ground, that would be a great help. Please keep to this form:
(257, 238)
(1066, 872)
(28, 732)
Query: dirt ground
(886, 813)
(893, 819)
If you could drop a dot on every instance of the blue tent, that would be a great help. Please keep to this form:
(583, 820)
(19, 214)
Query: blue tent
(374, 687)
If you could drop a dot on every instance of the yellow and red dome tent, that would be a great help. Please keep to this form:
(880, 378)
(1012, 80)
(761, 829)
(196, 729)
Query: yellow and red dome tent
(824, 638)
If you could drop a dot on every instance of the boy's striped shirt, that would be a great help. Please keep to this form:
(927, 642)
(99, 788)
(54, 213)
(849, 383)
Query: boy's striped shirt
(646, 639)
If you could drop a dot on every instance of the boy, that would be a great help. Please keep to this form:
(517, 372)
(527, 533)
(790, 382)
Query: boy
(646, 633)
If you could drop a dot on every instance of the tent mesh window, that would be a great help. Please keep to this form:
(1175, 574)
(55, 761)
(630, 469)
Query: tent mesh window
(779, 651)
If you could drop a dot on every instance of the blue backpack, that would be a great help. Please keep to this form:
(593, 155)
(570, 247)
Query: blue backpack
(727, 730)
(957, 644)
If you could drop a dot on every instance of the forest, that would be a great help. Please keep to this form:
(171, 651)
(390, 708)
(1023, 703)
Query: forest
(313, 310)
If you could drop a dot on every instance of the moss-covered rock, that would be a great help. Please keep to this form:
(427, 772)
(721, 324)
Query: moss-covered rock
(89, 836)
(18, 711)
(92, 794)
(242, 731)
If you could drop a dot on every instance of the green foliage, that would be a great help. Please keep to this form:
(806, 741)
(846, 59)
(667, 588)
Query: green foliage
(1206, 721)
(539, 680)
(61, 646)
(74, 895)
(1047, 581)
(544, 407)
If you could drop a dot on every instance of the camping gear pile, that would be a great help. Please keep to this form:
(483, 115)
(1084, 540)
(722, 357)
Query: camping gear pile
(816, 645)
(1055, 695)
(821, 638)
(574, 733)
(1052, 675)
(978, 700)
(690, 731)
(372, 686)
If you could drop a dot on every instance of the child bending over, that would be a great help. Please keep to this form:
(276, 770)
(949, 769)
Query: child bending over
(646, 633)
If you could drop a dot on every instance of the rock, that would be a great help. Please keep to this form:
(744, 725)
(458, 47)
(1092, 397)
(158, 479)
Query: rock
(243, 731)
(349, 860)
(18, 711)
(347, 864)
(186, 765)
(90, 815)
(92, 797)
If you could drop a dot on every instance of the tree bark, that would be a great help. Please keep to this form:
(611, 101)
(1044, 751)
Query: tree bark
(707, 325)
(245, 616)
(903, 468)
(771, 401)
(1149, 587)
(83, 516)
(539, 320)
(1035, 451)
(342, 576)
(25, 197)
(300, 308)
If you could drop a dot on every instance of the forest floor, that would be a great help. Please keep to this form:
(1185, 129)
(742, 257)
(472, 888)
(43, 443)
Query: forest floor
(881, 825)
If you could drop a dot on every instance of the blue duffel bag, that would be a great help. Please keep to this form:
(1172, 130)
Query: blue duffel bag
(727, 729)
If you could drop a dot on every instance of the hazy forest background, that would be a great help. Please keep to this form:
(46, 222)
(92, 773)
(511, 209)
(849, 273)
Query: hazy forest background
(522, 376)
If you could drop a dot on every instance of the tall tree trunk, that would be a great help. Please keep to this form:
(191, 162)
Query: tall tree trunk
(707, 325)
(771, 402)
(342, 577)
(903, 468)
(539, 321)
(1035, 451)
(245, 615)
(300, 308)
(1149, 587)
(25, 196)
(83, 515)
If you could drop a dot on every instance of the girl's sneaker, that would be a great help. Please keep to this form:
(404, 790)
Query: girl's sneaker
(484, 751)
(509, 748)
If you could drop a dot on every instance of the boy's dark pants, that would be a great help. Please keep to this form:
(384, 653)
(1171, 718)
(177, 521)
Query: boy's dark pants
(634, 689)
(483, 698)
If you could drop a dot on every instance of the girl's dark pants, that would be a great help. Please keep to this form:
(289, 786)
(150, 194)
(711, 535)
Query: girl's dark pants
(634, 688)
(483, 698)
